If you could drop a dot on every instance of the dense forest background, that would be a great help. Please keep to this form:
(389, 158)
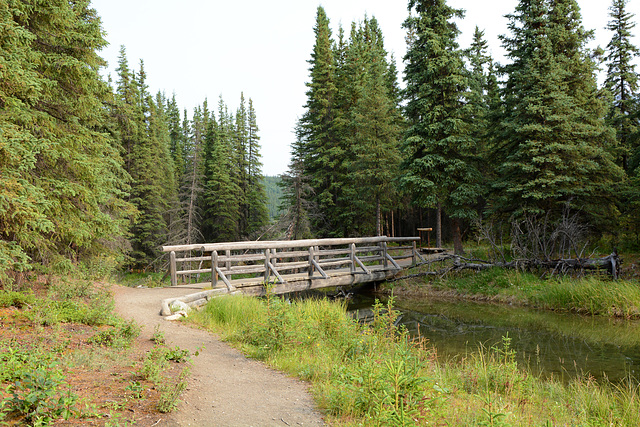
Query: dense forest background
(99, 173)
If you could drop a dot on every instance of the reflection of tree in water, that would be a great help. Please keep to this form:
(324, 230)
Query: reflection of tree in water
(562, 345)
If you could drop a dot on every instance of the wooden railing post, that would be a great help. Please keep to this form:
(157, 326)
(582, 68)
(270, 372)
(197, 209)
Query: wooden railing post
(352, 257)
(172, 268)
(214, 269)
(227, 264)
(385, 262)
(414, 259)
(267, 260)
(311, 259)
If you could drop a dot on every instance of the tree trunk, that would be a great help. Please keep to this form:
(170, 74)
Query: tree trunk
(378, 222)
(393, 224)
(457, 236)
(439, 226)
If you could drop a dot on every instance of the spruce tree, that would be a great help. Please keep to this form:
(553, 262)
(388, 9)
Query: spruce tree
(221, 210)
(622, 82)
(322, 152)
(144, 137)
(552, 148)
(297, 201)
(440, 167)
(375, 120)
(61, 181)
(257, 213)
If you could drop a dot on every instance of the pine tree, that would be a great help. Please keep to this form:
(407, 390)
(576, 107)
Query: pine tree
(622, 82)
(553, 139)
(440, 158)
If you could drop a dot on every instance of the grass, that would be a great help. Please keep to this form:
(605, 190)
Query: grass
(376, 375)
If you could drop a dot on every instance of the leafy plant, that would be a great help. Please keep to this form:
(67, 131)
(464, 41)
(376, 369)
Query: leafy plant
(38, 398)
(136, 389)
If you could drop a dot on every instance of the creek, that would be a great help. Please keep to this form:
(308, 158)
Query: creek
(561, 345)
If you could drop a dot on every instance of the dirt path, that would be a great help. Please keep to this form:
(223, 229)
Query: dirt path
(225, 388)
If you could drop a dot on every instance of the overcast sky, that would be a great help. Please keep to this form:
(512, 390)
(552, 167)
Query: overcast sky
(201, 49)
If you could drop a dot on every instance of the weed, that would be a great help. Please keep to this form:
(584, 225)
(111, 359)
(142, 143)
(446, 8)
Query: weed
(154, 365)
(177, 355)
(171, 391)
(38, 398)
(135, 389)
(16, 299)
(158, 336)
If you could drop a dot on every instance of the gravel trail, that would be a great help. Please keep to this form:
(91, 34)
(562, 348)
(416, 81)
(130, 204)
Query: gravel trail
(225, 387)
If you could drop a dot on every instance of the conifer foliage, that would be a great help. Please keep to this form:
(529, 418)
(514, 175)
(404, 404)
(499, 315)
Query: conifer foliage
(441, 157)
(62, 184)
(346, 153)
(90, 173)
(553, 139)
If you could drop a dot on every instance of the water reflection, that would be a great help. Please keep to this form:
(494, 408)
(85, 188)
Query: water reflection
(558, 344)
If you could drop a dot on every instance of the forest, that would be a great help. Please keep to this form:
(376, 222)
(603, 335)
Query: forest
(98, 172)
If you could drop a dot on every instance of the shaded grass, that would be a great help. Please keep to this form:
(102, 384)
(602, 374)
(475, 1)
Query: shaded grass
(376, 375)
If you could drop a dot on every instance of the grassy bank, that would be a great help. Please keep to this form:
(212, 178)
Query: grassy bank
(375, 375)
(67, 359)
(594, 295)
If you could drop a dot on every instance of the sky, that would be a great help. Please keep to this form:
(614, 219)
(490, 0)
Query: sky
(204, 49)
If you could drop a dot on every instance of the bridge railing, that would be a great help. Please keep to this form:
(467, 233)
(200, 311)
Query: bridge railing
(266, 260)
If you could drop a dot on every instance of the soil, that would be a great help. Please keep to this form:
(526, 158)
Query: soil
(225, 388)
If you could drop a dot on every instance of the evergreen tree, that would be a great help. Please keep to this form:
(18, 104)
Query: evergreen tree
(376, 131)
(440, 157)
(221, 210)
(144, 136)
(177, 144)
(553, 139)
(622, 82)
(61, 181)
(257, 214)
(297, 205)
(322, 153)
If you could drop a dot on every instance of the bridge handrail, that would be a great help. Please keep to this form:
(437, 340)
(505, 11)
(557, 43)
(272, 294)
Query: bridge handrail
(281, 244)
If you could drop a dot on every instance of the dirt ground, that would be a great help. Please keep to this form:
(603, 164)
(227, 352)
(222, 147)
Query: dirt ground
(225, 388)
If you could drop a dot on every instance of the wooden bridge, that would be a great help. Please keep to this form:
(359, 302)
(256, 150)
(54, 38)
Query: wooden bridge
(288, 266)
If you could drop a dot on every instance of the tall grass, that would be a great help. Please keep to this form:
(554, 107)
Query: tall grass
(376, 375)
(591, 295)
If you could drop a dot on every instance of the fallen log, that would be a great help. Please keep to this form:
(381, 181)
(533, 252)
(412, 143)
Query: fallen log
(610, 263)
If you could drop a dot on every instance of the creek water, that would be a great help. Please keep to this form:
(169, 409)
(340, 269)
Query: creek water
(554, 344)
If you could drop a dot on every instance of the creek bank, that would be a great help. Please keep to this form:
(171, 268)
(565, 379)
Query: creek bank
(585, 296)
